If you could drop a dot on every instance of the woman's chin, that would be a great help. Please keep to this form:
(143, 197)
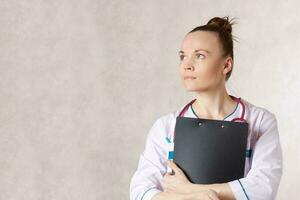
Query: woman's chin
(191, 89)
(194, 89)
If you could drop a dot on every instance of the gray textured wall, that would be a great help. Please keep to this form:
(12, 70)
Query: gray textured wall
(81, 83)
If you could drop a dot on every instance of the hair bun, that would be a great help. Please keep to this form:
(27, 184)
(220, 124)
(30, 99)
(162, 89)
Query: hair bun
(222, 23)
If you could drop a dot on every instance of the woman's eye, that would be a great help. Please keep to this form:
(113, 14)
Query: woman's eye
(181, 57)
(199, 55)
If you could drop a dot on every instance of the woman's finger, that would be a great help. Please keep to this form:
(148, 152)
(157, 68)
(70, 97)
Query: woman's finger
(213, 195)
(173, 166)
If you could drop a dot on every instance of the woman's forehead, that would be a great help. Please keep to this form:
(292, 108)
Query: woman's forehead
(206, 40)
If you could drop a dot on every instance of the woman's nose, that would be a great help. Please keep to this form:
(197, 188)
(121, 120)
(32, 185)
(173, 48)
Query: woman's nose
(189, 66)
(190, 63)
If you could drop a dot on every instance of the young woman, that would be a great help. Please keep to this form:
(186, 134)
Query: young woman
(206, 63)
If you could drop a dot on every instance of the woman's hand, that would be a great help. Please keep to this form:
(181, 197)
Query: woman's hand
(203, 195)
(178, 182)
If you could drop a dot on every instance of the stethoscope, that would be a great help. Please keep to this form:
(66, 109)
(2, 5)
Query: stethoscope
(237, 119)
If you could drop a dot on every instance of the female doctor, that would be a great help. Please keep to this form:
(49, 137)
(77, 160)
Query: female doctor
(206, 63)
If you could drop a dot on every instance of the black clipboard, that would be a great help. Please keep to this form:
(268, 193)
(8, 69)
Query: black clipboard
(210, 151)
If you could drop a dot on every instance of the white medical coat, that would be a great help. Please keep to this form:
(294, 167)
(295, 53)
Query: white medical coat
(263, 170)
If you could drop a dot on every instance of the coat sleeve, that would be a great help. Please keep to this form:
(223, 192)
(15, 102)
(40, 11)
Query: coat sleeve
(147, 179)
(262, 180)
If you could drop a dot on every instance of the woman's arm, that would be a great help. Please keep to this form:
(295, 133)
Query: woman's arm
(202, 195)
(223, 190)
(146, 181)
(262, 181)
(168, 196)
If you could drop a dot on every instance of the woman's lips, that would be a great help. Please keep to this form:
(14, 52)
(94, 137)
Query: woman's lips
(189, 77)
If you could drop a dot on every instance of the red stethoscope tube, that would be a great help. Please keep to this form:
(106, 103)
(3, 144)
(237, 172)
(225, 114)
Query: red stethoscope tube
(237, 119)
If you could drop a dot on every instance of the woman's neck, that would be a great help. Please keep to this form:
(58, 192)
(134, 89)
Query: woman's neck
(214, 104)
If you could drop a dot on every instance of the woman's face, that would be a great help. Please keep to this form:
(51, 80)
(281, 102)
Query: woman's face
(202, 64)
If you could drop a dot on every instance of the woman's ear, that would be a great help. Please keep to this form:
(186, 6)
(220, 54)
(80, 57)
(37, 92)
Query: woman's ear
(228, 65)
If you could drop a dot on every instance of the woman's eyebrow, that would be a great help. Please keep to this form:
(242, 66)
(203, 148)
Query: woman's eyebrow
(182, 52)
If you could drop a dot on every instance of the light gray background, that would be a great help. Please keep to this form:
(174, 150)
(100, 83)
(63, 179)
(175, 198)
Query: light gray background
(82, 82)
